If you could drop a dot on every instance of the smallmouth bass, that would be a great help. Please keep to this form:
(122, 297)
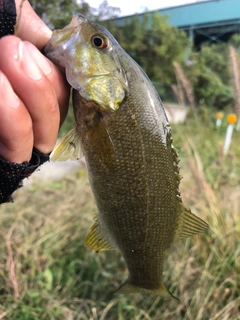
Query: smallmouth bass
(126, 139)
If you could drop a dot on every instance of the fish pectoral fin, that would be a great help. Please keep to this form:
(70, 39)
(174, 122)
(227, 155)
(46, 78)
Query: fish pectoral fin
(188, 224)
(68, 148)
(97, 240)
(127, 287)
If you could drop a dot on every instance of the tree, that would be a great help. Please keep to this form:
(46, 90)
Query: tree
(105, 12)
(154, 44)
(58, 13)
(210, 76)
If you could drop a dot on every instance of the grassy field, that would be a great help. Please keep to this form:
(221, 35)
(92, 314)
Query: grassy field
(47, 273)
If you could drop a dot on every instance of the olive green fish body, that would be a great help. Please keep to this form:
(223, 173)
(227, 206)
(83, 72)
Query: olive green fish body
(133, 167)
(129, 186)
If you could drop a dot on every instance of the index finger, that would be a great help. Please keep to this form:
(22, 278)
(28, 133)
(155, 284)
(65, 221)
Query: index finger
(29, 26)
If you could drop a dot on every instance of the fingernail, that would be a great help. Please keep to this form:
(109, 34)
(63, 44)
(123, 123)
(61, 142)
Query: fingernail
(27, 63)
(39, 59)
(6, 92)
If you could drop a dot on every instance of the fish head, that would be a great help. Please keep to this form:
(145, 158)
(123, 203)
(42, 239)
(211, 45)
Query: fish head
(89, 54)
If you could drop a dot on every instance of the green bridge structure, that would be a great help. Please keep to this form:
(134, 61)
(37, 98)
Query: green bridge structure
(211, 20)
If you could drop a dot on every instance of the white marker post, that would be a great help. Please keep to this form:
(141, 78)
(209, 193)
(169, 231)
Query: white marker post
(219, 116)
(231, 119)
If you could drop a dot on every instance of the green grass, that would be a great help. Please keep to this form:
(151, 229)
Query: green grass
(47, 273)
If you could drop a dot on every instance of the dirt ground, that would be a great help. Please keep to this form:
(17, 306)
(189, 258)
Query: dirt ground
(53, 171)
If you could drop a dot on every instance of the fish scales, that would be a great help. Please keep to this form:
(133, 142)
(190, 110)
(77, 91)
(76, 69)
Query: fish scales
(138, 197)
(126, 140)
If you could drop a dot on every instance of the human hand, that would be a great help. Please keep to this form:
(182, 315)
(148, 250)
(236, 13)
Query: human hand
(33, 92)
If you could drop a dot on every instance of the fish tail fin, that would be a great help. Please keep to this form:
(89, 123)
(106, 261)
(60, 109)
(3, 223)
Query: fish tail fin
(128, 287)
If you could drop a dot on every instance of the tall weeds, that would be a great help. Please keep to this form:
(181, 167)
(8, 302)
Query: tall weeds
(184, 87)
(234, 68)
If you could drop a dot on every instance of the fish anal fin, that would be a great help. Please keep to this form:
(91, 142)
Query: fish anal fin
(188, 224)
(128, 287)
(97, 239)
(68, 148)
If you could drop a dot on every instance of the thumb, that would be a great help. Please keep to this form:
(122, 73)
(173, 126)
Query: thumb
(29, 26)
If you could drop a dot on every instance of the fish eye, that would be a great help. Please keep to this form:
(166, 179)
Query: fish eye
(99, 42)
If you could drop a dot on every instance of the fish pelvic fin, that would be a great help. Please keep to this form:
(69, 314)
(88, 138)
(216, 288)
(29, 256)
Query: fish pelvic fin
(97, 239)
(127, 287)
(68, 148)
(188, 224)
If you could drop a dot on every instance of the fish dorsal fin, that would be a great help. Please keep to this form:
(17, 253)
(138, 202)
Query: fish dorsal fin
(68, 148)
(97, 239)
(188, 224)
(176, 167)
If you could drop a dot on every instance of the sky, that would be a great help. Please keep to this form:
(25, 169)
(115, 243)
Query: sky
(130, 7)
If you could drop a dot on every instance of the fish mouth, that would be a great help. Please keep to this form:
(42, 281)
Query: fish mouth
(95, 76)
(62, 39)
(63, 35)
(82, 79)
(77, 20)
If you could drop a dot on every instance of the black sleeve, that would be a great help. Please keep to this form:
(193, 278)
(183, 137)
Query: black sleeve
(12, 174)
(7, 17)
